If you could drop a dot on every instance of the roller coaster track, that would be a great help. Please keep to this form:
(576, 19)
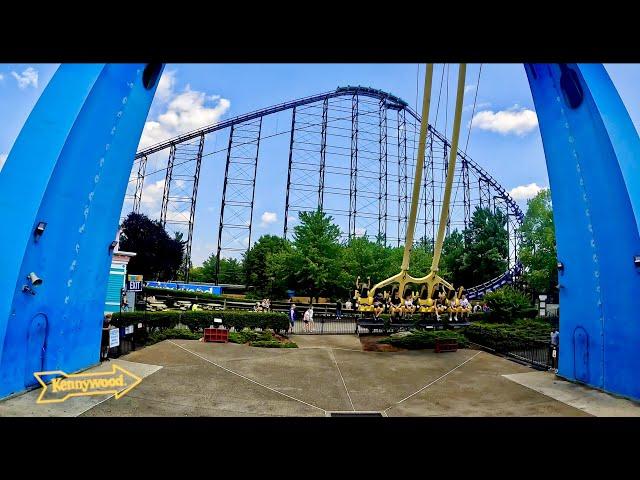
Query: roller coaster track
(392, 102)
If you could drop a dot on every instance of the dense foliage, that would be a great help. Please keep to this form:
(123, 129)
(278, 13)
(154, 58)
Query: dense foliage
(158, 256)
(230, 271)
(317, 263)
(198, 320)
(265, 339)
(538, 245)
(419, 339)
(508, 304)
(502, 337)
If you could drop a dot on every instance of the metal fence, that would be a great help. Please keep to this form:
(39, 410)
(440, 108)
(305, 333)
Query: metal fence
(536, 353)
(326, 324)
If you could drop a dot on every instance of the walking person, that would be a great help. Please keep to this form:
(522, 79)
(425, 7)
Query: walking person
(338, 309)
(292, 317)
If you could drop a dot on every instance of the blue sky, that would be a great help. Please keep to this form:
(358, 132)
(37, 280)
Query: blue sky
(504, 137)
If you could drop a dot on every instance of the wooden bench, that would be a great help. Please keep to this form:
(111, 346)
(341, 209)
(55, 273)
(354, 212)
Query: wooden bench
(447, 345)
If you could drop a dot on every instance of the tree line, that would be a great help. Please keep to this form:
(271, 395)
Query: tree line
(316, 262)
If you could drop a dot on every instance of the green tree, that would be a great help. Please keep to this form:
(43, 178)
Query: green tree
(313, 264)
(486, 247)
(538, 246)
(452, 259)
(231, 270)
(158, 256)
(255, 266)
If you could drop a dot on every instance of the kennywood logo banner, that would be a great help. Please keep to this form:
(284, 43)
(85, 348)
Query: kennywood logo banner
(116, 382)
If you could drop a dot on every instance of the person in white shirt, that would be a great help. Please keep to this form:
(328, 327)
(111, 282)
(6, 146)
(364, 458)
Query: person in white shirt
(347, 305)
(308, 320)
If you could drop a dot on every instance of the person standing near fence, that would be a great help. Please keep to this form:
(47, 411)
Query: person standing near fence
(555, 349)
(308, 319)
(338, 309)
(292, 316)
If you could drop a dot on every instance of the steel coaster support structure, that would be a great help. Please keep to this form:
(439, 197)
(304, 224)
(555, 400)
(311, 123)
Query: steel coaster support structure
(167, 185)
(466, 192)
(402, 176)
(192, 211)
(180, 193)
(382, 173)
(484, 192)
(322, 139)
(236, 213)
(287, 198)
(353, 177)
(323, 152)
(137, 196)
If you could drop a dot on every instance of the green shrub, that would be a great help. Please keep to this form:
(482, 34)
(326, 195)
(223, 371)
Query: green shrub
(504, 337)
(508, 304)
(272, 344)
(245, 336)
(258, 339)
(199, 319)
(177, 333)
(420, 339)
(150, 320)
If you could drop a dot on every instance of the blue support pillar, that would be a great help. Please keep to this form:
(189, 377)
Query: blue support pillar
(593, 158)
(69, 168)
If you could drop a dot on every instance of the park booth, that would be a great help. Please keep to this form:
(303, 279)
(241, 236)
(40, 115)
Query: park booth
(117, 281)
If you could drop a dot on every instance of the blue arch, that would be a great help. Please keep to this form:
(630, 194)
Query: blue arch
(70, 164)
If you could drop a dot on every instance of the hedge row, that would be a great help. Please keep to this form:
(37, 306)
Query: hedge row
(419, 339)
(197, 320)
(504, 337)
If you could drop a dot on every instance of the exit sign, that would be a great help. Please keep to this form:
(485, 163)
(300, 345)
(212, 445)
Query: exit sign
(134, 283)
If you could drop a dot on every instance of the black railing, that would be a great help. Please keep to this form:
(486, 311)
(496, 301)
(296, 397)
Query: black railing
(535, 352)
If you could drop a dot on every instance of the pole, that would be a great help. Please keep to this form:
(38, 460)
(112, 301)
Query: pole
(453, 154)
(422, 140)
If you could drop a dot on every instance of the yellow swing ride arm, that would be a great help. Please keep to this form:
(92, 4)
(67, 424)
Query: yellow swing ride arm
(432, 280)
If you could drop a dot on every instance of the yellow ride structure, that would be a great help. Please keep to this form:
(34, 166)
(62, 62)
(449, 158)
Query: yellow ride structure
(432, 282)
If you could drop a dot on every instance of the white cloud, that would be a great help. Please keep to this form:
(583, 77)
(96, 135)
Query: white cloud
(478, 106)
(525, 192)
(268, 218)
(183, 112)
(166, 85)
(516, 120)
(152, 194)
(469, 88)
(26, 78)
(360, 231)
(3, 158)
(1, 76)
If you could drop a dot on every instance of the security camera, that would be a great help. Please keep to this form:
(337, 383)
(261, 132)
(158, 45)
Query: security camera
(34, 279)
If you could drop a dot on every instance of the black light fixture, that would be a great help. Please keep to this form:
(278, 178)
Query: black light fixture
(40, 228)
(636, 260)
(560, 266)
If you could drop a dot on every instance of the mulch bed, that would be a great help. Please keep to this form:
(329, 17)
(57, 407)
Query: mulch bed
(370, 344)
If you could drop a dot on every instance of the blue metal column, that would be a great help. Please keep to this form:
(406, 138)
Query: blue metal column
(69, 168)
(593, 158)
